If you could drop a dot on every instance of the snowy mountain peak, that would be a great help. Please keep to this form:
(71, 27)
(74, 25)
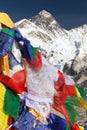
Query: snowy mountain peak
(42, 16)
(48, 23)
(48, 15)
(45, 13)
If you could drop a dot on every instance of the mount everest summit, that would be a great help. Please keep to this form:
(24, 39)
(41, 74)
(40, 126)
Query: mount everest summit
(67, 49)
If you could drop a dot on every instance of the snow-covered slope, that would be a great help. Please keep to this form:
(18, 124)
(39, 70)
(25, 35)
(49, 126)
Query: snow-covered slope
(33, 32)
(59, 45)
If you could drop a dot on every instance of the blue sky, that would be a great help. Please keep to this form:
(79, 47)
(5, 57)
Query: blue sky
(68, 13)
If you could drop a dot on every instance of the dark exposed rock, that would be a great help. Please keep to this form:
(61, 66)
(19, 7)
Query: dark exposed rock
(48, 23)
(69, 70)
(80, 77)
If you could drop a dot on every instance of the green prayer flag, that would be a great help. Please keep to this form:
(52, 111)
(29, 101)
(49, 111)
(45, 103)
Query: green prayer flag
(67, 127)
(82, 92)
(8, 31)
(75, 100)
(34, 51)
(11, 103)
(73, 114)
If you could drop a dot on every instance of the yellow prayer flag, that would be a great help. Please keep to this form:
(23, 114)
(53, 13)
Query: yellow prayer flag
(3, 116)
(6, 20)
